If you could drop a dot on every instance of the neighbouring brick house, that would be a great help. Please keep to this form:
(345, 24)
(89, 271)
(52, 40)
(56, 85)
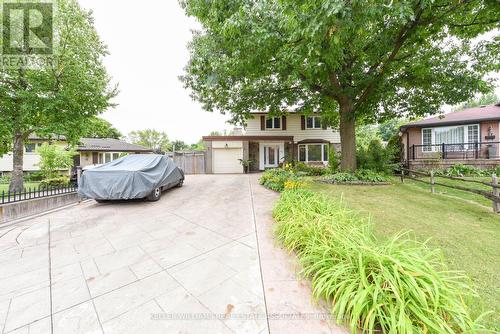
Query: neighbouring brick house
(470, 137)
(269, 141)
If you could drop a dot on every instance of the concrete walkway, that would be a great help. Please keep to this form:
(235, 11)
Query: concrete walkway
(188, 263)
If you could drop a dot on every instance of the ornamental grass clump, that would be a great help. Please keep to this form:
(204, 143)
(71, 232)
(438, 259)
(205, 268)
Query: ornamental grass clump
(392, 286)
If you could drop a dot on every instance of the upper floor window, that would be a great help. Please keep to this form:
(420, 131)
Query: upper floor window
(30, 148)
(273, 123)
(313, 122)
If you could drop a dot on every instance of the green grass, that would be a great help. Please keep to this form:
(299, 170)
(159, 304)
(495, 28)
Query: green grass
(5, 186)
(466, 231)
(395, 284)
(459, 193)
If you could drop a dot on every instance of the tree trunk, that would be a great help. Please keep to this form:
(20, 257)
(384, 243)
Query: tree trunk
(347, 136)
(16, 183)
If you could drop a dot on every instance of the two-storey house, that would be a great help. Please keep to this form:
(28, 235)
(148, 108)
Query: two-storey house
(269, 141)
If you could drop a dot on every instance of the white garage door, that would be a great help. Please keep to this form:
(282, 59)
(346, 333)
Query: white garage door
(225, 160)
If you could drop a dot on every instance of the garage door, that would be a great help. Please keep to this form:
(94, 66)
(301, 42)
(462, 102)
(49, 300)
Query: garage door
(225, 160)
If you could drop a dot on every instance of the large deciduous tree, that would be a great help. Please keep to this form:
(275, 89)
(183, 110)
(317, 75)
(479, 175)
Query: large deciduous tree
(156, 140)
(353, 61)
(100, 128)
(58, 97)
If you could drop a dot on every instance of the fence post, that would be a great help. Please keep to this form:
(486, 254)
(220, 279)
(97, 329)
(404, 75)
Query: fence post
(432, 182)
(402, 175)
(443, 151)
(496, 193)
(413, 152)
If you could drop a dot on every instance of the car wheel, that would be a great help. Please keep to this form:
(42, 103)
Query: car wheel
(155, 195)
(181, 182)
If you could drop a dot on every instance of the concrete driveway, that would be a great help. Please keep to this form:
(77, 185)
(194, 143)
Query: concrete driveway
(188, 263)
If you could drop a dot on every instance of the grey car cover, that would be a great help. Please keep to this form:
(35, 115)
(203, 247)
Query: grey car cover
(133, 176)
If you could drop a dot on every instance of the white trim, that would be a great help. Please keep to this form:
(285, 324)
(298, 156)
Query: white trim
(323, 145)
(465, 139)
(281, 154)
(274, 128)
(314, 123)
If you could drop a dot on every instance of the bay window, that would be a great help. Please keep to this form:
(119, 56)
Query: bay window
(313, 152)
(463, 136)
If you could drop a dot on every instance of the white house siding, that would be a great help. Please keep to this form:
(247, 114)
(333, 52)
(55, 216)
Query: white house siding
(293, 128)
(30, 163)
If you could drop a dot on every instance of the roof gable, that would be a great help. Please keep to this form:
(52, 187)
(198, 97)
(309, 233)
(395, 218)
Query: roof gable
(109, 145)
(466, 116)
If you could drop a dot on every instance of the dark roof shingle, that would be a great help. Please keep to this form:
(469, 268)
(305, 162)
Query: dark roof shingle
(109, 145)
(483, 113)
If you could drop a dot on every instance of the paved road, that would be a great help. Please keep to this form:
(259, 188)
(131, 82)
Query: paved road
(188, 263)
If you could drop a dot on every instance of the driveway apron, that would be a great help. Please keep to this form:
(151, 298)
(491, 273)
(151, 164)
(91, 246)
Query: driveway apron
(188, 263)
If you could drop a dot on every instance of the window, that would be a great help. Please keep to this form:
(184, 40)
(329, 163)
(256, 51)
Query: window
(313, 122)
(104, 158)
(450, 135)
(427, 140)
(273, 123)
(313, 152)
(30, 148)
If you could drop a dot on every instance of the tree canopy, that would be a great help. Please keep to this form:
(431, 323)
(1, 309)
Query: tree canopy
(59, 97)
(351, 61)
(156, 140)
(100, 128)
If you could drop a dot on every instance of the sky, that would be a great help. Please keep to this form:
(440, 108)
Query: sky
(147, 43)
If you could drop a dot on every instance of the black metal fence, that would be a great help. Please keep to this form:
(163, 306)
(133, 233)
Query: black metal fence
(35, 192)
(459, 151)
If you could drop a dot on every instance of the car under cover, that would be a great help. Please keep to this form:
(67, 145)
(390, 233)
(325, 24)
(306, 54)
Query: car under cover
(129, 177)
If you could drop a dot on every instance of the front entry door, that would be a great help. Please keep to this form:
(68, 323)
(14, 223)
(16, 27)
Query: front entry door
(271, 156)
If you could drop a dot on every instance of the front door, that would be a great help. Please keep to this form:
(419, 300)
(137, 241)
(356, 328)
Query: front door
(271, 156)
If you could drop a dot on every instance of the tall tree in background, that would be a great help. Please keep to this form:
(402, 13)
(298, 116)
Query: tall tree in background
(55, 98)
(483, 100)
(179, 145)
(352, 61)
(100, 128)
(156, 140)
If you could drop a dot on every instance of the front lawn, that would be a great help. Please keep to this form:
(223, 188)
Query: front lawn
(467, 232)
(27, 185)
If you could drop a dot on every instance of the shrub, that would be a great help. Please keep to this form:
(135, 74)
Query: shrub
(55, 182)
(367, 175)
(275, 179)
(54, 158)
(361, 175)
(5, 179)
(33, 177)
(340, 178)
(333, 161)
(463, 170)
(310, 170)
(376, 157)
(396, 285)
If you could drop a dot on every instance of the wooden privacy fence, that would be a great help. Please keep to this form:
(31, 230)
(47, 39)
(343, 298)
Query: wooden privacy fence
(190, 162)
(494, 195)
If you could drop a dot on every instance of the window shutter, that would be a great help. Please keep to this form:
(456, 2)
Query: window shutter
(283, 123)
(302, 122)
(323, 124)
(263, 123)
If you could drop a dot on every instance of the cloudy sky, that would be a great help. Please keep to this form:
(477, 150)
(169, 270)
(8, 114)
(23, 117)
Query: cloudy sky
(147, 41)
